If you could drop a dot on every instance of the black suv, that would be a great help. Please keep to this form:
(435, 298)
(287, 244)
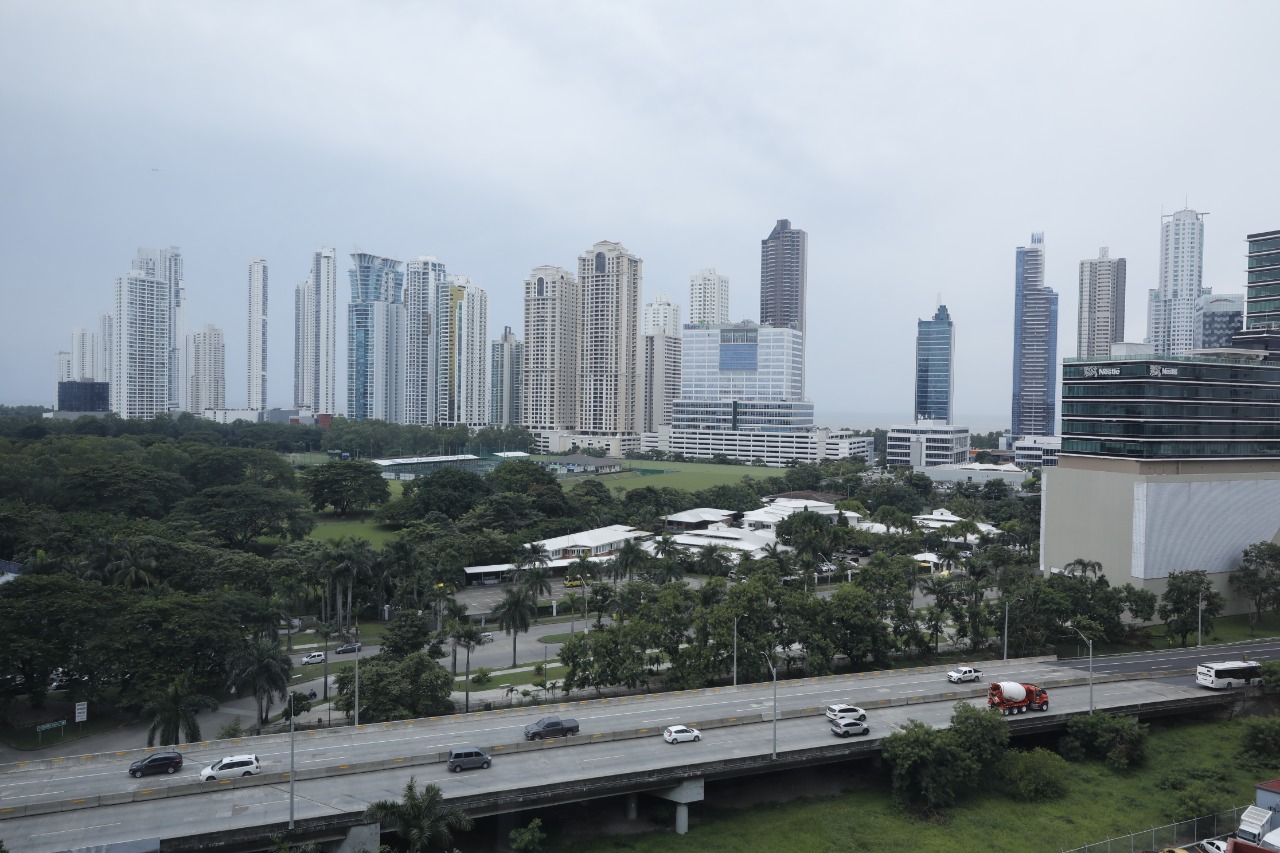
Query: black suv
(160, 762)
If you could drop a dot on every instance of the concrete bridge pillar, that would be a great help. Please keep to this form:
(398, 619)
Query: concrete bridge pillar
(633, 806)
(367, 836)
(682, 818)
(688, 791)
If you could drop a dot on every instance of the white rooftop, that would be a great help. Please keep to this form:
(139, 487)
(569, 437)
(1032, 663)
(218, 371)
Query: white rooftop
(405, 460)
(594, 538)
(703, 513)
(512, 454)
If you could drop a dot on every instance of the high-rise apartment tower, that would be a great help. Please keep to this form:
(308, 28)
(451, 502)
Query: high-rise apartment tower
(462, 375)
(1173, 309)
(784, 276)
(424, 279)
(316, 335)
(708, 298)
(207, 357)
(506, 357)
(142, 350)
(375, 339)
(935, 379)
(1100, 320)
(256, 374)
(1035, 344)
(609, 280)
(549, 376)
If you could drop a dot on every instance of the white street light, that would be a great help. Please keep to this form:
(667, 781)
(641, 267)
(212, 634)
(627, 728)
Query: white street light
(1006, 625)
(291, 774)
(735, 648)
(774, 671)
(1090, 642)
(1199, 617)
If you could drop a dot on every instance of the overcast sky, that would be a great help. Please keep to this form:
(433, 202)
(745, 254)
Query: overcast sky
(918, 144)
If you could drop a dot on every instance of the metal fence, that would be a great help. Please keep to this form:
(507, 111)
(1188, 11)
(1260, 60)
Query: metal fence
(1170, 835)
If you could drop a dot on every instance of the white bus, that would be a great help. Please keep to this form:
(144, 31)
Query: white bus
(1230, 673)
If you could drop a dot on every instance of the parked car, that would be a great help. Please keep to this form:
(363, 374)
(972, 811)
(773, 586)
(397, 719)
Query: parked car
(846, 726)
(346, 649)
(468, 757)
(158, 762)
(486, 637)
(840, 709)
(676, 734)
(312, 657)
(550, 727)
(232, 767)
(572, 582)
(1214, 845)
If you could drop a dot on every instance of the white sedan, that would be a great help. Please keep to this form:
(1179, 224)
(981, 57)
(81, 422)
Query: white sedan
(675, 734)
(835, 712)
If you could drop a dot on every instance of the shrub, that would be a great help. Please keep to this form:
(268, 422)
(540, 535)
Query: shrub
(931, 768)
(1033, 776)
(232, 729)
(1119, 741)
(1262, 736)
(481, 677)
(1198, 800)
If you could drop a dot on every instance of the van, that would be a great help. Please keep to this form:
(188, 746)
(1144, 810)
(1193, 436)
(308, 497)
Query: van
(467, 757)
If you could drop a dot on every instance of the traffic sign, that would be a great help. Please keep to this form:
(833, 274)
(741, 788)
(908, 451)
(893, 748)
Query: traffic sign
(82, 711)
(56, 724)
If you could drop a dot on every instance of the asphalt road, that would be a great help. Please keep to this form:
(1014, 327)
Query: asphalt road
(224, 808)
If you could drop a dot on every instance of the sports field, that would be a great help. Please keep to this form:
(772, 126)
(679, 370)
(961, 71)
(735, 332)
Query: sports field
(691, 476)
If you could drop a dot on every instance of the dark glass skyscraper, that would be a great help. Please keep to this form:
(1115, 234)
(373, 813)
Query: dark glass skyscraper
(935, 381)
(1262, 292)
(375, 335)
(1035, 344)
(784, 275)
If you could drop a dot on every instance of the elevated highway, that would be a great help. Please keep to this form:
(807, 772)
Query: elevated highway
(82, 801)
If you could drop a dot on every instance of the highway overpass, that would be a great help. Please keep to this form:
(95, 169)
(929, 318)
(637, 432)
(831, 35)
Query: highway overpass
(89, 801)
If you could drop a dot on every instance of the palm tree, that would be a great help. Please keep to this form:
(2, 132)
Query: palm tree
(584, 569)
(173, 712)
(261, 669)
(356, 559)
(514, 614)
(468, 636)
(456, 620)
(631, 558)
(536, 579)
(572, 601)
(533, 554)
(421, 819)
(711, 560)
(129, 568)
(1083, 566)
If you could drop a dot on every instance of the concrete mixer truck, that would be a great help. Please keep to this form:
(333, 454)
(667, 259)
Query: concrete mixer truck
(1014, 698)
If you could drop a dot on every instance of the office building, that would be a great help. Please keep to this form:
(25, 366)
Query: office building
(315, 367)
(927, 443)
(142, 350)
(166, 265)
(256, 374)
(661, 314)
(424, 278)
(462, 341)
(660, 377)
(506, 359)
(1221, 316)
(609, 283)
(1168, 463)
(84, 396)
(1100, 319)
(375, 338)
(62, 367)
(935, 376)
(708, 298)
(1173, 308)
(549, 391)
(1035, 344)
(106, 344)
(774, 449)
(1037, 451)
(207, 358)
(784, 276)
(1262, 288)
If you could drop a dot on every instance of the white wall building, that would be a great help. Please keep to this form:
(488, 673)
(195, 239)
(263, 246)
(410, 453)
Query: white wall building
(1039, 451)
(549, 392)
(506, 359)
(256, 372)
(661, 314)
(316, 335)
(424, 279)
(775, 449)
(207, 356)
(462, 354)
(926, 443)
(141, 351)
(1100, 315)
(1173, 308)
(84, 355)
(609, 281)
(708, 298)
(62, 371)
(375, 339)
(660, 379)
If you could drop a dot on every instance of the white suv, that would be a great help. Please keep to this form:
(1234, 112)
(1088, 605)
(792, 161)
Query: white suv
(232, 767)
(313, 657)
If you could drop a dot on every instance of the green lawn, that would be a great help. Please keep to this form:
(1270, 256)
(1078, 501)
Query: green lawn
(692, 476)
(555, 672)
(328, 527)
(1099, 804)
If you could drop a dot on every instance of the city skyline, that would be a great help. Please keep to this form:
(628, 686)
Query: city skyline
(843, 144)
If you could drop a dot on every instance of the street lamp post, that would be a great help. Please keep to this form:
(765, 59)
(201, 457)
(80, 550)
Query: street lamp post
(357, 705)
(291, 774)
(735, 648)
(1090, 642)
(1199, 618)
(1006, 626)
(773, 670)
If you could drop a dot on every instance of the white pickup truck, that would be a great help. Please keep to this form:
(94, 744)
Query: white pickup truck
(964, 673)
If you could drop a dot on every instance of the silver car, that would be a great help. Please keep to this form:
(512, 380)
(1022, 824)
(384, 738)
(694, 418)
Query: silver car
(847, 726)
(468, 757)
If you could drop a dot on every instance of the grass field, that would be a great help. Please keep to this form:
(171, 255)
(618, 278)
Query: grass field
(1099, 804)
(328, 527)
(692, 476)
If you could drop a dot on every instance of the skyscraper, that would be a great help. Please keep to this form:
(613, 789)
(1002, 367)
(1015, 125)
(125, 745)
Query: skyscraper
(207, 357)
(1035, 344)
(1262, 308)
(784, 276)
(375, 339)
(1100, 319)
(935, 379)
(609, 279)
(1173, 310)
(506, 359)
(316, 335)
(106, 344)
(424, 278)
(742, 378)
(166, 265)
(257, 362)
(84, 355)
(661, 314)
(708, 298)
(462, 342)
(1221, 316)
(549, 376)
(142, 350)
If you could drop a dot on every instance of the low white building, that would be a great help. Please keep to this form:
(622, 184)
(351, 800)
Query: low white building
(777, 509)
(976, 472)
(943, 517)
(737, 540)
(775, 449)
(926, 443)
(1037, 451)
(230, 416)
